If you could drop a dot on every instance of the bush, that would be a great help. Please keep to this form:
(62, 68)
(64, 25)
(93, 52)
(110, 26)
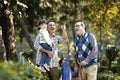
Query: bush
(109, 73)
(105, 76)
(18, 71)
(114, 69)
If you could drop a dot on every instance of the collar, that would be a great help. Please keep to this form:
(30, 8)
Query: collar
(82, 35)
(53, 35)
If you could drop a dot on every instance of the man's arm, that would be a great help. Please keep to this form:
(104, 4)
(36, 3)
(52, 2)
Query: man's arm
(93, 52)
(36, 42)
(64, 34)
(38, 47)
(50, 54)
(67, 59)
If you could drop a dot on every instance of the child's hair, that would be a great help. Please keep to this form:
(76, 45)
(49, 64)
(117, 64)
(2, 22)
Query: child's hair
(60, 62)
(41, 22)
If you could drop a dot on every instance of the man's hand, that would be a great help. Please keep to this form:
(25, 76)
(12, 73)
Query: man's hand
(64, 34)
(75, 68)
(83, 63)
(63, 27)
(50, 54)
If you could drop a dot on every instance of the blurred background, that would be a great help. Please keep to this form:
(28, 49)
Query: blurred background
(18, 19)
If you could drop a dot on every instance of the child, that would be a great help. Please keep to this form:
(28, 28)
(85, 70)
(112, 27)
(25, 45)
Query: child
(66, 70)
(46, 43)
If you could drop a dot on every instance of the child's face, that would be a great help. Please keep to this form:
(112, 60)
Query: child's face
(44, 25)
(63, 60)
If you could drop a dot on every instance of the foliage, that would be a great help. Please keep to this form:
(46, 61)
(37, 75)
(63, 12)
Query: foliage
(118, 58)
(111, 54)
(105, 76)
(18, 71)
(106, 73)
(102, 17)
(96, 14)
(28, 54)
(113, 69)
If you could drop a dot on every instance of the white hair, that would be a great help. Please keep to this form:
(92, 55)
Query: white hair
(81, 24)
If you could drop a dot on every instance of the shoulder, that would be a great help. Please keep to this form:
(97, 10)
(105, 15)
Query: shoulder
(91, 35)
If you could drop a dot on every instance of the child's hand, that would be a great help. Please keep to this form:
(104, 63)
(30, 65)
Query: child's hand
(70, 52)
(51, 45)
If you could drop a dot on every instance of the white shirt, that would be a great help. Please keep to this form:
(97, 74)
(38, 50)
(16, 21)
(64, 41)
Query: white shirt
(44, 36)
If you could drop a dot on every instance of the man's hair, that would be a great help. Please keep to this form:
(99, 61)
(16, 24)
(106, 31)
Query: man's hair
(82, 24)
(50, 21)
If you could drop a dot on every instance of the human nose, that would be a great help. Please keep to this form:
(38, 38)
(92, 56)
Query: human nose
(75, 28)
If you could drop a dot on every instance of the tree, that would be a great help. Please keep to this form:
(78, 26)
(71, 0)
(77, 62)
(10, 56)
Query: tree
(97, 15)
(2, 48)
(8, 35)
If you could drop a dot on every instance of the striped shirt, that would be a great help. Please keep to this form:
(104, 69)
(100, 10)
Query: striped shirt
(56, 40)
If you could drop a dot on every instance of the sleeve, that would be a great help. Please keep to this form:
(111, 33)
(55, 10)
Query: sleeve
(94, 50)
(36, 42)
(60, 39)
(67, 59)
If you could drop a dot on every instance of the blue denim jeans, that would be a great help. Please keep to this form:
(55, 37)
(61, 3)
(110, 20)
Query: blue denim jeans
(44, 56)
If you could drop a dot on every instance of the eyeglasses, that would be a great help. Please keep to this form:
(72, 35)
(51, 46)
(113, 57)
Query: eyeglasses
(78, 25)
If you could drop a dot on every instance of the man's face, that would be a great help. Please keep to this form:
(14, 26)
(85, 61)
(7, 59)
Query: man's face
(51, 27)
(78, 28)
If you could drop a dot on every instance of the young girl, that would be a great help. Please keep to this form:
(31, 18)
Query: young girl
(46, 43)
(66, 70)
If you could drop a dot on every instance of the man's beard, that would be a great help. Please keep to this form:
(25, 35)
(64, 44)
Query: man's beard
(77, 33)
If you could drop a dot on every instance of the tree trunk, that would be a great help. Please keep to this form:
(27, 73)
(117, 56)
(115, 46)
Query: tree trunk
(2, 48)
(6, 21)
(27, 36)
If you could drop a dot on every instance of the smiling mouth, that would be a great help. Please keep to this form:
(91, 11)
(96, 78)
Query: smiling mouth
(76, 30)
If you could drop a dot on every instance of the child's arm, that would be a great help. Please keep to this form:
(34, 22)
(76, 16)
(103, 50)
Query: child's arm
(67, 59)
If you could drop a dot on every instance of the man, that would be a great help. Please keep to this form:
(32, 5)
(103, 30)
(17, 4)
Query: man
(86, 52)
(51, 27)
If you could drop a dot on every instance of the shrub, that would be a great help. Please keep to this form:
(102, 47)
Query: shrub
(18, 71)
(105, 76)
